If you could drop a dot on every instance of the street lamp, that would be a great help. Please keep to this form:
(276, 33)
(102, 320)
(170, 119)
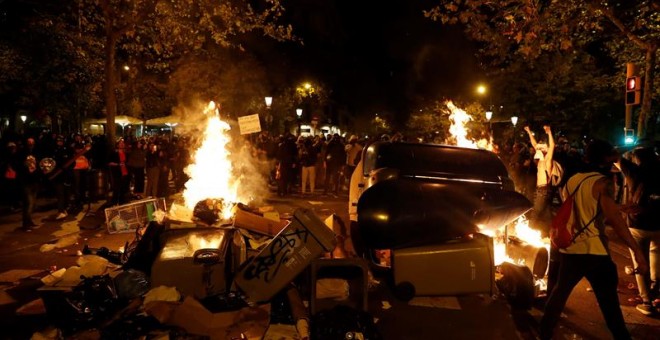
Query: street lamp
(23, 118)
(299, 115)
(514, 121)
(269, 116)
(481, 89)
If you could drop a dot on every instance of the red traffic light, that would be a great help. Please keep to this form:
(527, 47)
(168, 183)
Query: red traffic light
(633, 84)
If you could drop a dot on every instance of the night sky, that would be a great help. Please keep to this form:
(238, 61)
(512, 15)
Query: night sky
(375, 55)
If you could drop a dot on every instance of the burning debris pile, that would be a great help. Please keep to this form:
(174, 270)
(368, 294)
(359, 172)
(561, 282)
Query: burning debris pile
(212, 266)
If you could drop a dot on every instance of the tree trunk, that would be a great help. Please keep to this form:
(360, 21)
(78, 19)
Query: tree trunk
(110, 86)
(645, 113)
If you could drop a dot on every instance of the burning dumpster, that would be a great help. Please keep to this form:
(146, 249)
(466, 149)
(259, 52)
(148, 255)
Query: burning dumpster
(432, 193)
(202, 254)
(431, 207)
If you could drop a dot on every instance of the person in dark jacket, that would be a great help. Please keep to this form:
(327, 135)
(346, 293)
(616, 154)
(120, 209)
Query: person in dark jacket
(61, 176)
(335, 158)
(286, 161)
(153, 170)
(29, 177)
(119, 179)
(137, 161)
(642, 209)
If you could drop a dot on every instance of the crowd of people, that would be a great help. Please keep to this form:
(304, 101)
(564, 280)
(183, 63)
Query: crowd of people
(79, 169)
(620, 188)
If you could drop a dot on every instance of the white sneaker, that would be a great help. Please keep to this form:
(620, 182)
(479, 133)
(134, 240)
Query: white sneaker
(61, 216)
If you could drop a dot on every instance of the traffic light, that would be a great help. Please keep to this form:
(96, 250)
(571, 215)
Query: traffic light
(633, 90)
(628, 136)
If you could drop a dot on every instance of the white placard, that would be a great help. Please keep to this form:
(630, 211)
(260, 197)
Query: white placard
(249, 124)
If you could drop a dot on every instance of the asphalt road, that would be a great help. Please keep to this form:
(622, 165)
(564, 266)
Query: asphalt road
(56, 245)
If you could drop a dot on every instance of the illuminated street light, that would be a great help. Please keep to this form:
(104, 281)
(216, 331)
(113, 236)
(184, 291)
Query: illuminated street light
(23, 118)
(299, 114)
(481, 89)
(307, 86)
(269, 116)
(514, 120)
(126, 68)
(489, 115)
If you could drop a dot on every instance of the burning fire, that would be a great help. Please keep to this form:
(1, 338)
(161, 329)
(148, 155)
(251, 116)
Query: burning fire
(211, 173)
(522, 231)
(458, 130)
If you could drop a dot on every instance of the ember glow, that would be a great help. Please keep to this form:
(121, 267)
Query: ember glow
(211, 172)
(458, 129)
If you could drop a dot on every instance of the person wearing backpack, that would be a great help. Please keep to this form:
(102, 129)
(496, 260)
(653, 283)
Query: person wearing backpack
(541, 212)
(587, 254)
(642, 209)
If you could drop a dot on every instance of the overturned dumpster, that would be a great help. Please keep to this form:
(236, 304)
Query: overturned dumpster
(431, 215)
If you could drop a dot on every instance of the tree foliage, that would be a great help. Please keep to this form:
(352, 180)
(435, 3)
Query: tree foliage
(588, 40)
(157, 33)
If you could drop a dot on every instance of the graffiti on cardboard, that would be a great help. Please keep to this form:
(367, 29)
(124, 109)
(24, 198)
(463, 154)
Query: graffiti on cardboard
(266, 266)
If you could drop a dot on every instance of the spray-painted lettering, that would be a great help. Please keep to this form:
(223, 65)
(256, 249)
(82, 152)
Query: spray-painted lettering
(267, 265)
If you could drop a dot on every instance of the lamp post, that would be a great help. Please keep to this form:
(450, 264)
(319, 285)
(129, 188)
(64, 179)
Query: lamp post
(23, 118)
(269, 116)
(123, 125)
(299, 115)
(514, 121)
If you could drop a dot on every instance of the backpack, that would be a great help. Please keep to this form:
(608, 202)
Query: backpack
(562, 234)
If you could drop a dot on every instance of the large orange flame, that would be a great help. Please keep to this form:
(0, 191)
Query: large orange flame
(211, 169)
(458, 129)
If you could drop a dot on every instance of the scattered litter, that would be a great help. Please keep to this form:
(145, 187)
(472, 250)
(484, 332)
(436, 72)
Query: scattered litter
(53, 277)
(50, 333)
(5, 299)
(162, 293)
(386, 305)
(632, 286)
(67, 228)
(446, 302)
(34, 307)
(79, 253)
(15, 275)
(61, 243)
(376, 320)
(315, 202)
